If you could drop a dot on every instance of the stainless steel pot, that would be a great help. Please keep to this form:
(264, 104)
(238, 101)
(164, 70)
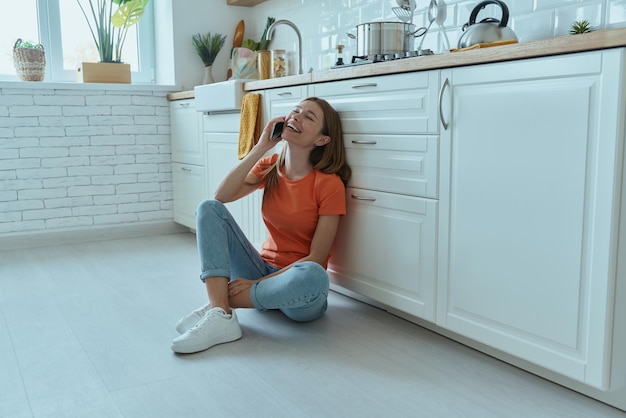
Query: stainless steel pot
(385, 38)
(487, 30)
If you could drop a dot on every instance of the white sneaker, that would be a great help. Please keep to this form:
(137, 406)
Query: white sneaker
(215, 327)
(186, 322)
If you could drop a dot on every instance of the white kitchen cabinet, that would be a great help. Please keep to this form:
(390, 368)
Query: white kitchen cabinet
(385, 248)
(188, 192)
(281, 101)
(531, 167)
(188, 161)
(221, 138)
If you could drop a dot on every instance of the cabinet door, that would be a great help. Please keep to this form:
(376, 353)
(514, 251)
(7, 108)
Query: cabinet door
(384, 250)
(187, 192)
(221, 157)
(186, 132)
(528, 209)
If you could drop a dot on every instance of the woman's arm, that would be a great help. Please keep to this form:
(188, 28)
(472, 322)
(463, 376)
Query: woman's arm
(240, 182)
(323, 238)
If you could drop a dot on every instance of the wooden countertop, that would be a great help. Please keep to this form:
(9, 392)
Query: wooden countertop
(603, 39)
(180, 95)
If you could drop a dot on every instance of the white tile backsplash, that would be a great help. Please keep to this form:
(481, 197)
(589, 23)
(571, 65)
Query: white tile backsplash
(324, 24)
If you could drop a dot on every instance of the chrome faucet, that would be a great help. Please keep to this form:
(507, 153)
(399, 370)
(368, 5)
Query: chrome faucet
(270, 32)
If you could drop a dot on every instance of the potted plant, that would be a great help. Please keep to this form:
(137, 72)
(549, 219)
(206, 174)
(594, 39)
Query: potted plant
(29, 59)
(109, 26)
(208, 46)
(581, 26)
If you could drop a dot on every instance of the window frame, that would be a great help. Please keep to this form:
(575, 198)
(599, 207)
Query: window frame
(49, 25)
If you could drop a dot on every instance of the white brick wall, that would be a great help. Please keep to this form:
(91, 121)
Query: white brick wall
(72, 158)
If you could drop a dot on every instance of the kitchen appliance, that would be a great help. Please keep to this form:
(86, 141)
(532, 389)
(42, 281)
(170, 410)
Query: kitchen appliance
(385, 38)
(375, 58)
(487, 30)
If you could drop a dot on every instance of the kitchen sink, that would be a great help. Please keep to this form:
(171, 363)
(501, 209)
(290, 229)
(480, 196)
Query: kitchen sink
(225, 95)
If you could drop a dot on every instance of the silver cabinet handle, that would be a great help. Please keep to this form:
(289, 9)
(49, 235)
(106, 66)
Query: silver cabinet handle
(363, 142)
(184, 104)
(285, 93)
(188, 170)
(367, 199)
(360, 86)
(443, 87)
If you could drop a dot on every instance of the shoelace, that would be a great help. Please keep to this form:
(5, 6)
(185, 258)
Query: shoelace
(204, 319)
(203, 311)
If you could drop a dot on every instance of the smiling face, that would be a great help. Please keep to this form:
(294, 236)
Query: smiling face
(305, 124)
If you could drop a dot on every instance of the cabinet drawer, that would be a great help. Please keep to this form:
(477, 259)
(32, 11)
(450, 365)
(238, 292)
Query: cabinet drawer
(394, 163)
(385, 250)
(401, 103)
(281, 101)
(222, 122)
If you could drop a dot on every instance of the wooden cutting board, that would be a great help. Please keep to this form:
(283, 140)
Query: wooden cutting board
(237, 41)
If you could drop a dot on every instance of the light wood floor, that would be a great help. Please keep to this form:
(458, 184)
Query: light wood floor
(85, 331)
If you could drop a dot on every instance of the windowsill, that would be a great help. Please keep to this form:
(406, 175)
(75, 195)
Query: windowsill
(45, 85)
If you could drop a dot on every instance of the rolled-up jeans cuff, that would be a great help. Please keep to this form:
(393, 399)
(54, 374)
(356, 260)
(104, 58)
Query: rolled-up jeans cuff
(254, 299)
(214, 273)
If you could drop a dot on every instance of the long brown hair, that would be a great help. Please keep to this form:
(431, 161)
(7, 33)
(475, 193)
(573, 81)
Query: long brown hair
(329, 158)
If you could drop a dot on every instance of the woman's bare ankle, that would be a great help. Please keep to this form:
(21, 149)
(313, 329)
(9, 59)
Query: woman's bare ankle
(226, 308)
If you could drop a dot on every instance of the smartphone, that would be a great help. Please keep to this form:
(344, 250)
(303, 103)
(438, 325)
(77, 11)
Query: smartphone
(277, 131)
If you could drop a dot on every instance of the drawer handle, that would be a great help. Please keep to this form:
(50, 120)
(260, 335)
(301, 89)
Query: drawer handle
(183, 104)
(360, 86)
(285, 93)
(363, 142)
(367, 199)
(443, 121)
(188, 170)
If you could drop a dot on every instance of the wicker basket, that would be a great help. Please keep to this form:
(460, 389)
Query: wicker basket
(30, 63)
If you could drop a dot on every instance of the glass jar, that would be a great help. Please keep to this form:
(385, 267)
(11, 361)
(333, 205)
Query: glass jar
(280, 64)
(263, 64)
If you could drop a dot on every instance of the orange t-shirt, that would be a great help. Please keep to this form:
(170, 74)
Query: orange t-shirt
(291, 214)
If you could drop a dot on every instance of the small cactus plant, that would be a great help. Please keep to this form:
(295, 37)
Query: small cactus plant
(581, 26)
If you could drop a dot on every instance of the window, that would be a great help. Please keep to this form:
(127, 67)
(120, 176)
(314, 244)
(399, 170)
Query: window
(61, 28)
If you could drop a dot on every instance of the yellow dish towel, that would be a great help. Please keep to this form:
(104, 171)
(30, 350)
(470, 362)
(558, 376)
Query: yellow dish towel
(250, 124)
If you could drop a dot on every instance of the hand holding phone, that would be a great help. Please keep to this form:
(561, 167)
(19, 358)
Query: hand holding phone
(277, 131)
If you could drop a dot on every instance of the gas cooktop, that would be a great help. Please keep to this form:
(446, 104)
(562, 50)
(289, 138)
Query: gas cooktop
(373, 59)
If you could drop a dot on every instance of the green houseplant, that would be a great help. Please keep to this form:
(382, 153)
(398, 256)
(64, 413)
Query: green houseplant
(109, 26)
(208, 46)
(581, 26)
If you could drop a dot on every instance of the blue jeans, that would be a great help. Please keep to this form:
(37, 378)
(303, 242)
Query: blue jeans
(300, 292)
